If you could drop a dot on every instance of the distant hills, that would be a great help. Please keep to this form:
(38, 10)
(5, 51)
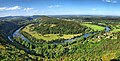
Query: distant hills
(103, 17)
(7, 18)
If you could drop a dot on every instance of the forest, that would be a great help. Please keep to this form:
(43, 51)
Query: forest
(100, 45)
(59, 26)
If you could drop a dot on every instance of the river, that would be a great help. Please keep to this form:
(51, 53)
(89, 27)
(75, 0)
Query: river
(18, 34)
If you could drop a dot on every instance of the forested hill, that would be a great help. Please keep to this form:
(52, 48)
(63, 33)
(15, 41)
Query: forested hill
(55, 26)
(8, 26)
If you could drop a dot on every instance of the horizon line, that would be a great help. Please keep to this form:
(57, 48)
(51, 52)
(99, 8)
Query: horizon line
(62, 15)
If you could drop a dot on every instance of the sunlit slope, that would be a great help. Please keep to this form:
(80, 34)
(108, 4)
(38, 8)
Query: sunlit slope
(94, 27)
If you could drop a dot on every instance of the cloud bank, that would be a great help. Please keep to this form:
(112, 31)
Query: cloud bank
(10, 8)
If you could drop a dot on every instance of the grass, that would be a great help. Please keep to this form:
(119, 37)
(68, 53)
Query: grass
(115, 30)
(94, 27)
(48, 37)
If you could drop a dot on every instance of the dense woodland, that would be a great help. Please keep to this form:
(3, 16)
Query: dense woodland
(97, 47)
(59, 27)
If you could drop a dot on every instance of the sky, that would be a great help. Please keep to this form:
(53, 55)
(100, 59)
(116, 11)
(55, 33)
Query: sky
(59, 7)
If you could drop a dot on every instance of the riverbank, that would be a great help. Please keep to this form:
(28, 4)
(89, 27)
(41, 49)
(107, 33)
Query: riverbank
(18, 34)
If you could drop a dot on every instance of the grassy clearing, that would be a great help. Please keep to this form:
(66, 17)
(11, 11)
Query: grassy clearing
(94, 27)
(115, 30)
(48, 37)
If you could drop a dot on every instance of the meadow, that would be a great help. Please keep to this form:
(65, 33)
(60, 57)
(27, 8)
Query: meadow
(94, 27)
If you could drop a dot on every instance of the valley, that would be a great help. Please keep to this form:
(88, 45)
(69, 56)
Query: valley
(59, 30)
(47, 38)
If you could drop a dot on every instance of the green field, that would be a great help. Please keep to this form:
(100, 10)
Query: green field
(94, 27)
(47, 37)
(115, 30)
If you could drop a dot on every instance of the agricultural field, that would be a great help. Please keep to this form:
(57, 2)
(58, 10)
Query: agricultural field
(94, 27)
(116, 28)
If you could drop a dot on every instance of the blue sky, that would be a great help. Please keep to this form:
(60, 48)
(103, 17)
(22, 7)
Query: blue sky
(59, 7)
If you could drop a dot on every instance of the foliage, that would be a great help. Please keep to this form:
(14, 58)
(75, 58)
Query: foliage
(97, 47)
(61, 27)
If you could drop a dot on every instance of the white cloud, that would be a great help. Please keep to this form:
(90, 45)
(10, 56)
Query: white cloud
(54, 6)
(27, 9)
(10, 8)
(14, 8)
(110, 1)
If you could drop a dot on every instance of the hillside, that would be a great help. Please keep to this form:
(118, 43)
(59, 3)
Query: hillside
(51, 39)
